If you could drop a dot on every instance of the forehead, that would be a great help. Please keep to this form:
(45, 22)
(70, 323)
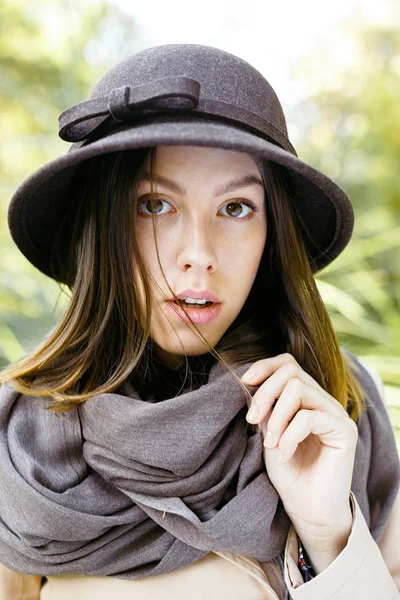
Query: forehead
(178, 157)
(229, 170)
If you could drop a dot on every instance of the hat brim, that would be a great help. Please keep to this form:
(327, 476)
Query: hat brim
(39, 204)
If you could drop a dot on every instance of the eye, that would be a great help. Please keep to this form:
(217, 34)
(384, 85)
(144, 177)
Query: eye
(238, 209)
(235, 209)
(153, 206)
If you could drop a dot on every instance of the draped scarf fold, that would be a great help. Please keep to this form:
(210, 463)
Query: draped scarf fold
(123, 487)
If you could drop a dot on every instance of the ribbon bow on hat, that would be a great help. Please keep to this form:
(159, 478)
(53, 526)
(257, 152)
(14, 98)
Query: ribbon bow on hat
(128, 103)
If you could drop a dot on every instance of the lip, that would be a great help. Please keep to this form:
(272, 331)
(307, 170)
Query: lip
(200, 316)
(199, 295)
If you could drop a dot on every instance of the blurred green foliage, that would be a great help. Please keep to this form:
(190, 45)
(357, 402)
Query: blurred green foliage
(351, 131)
(50, 57)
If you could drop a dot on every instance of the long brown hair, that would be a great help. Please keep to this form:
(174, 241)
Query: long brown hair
(102, 338)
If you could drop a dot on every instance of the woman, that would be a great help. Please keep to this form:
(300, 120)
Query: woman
(188, 232)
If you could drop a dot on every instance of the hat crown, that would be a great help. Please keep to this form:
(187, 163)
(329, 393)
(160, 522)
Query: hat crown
(222, 76)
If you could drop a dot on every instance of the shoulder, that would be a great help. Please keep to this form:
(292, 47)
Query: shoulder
(368, 377)
(375, 377)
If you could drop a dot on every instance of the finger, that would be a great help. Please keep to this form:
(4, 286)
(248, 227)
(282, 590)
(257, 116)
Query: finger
(298, 395)
(265, 368)
(332, 430)
(273, 387)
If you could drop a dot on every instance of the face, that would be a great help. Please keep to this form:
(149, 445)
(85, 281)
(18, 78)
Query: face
(210, 234)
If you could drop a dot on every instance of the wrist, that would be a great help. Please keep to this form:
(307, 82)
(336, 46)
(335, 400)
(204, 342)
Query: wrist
(322, 559)
(322, 550)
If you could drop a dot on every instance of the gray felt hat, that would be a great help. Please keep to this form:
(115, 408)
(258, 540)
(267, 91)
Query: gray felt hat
(186, 94)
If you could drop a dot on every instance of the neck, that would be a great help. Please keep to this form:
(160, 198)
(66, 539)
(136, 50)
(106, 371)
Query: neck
(175, 361)
(170, 360)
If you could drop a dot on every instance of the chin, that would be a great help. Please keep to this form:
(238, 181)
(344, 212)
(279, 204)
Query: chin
(192, 349)
(188, 345)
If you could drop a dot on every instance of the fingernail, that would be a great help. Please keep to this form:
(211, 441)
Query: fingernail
(269, 442)
(249, 376)
(253, 413)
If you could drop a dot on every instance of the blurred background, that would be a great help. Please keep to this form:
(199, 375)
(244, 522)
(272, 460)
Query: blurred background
(335, 68)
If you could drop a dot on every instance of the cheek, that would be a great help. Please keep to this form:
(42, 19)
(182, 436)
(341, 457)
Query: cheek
(239, 272)
(243, 253)
(147, 248)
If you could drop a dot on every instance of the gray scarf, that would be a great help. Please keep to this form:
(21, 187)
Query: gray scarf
(119, 486)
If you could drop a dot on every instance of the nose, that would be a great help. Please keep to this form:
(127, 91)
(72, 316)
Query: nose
(196, 247)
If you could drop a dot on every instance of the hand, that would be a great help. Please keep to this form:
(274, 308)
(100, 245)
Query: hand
(317, 440)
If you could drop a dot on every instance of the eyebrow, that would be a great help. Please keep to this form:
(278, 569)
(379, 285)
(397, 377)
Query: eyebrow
(235, 184)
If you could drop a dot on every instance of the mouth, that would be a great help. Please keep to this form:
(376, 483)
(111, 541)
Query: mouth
(199, 313)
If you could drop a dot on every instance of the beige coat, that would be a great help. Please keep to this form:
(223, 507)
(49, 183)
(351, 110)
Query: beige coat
(364, 570)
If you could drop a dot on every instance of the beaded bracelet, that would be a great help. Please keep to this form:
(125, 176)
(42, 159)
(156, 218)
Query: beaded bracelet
(305, 568)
